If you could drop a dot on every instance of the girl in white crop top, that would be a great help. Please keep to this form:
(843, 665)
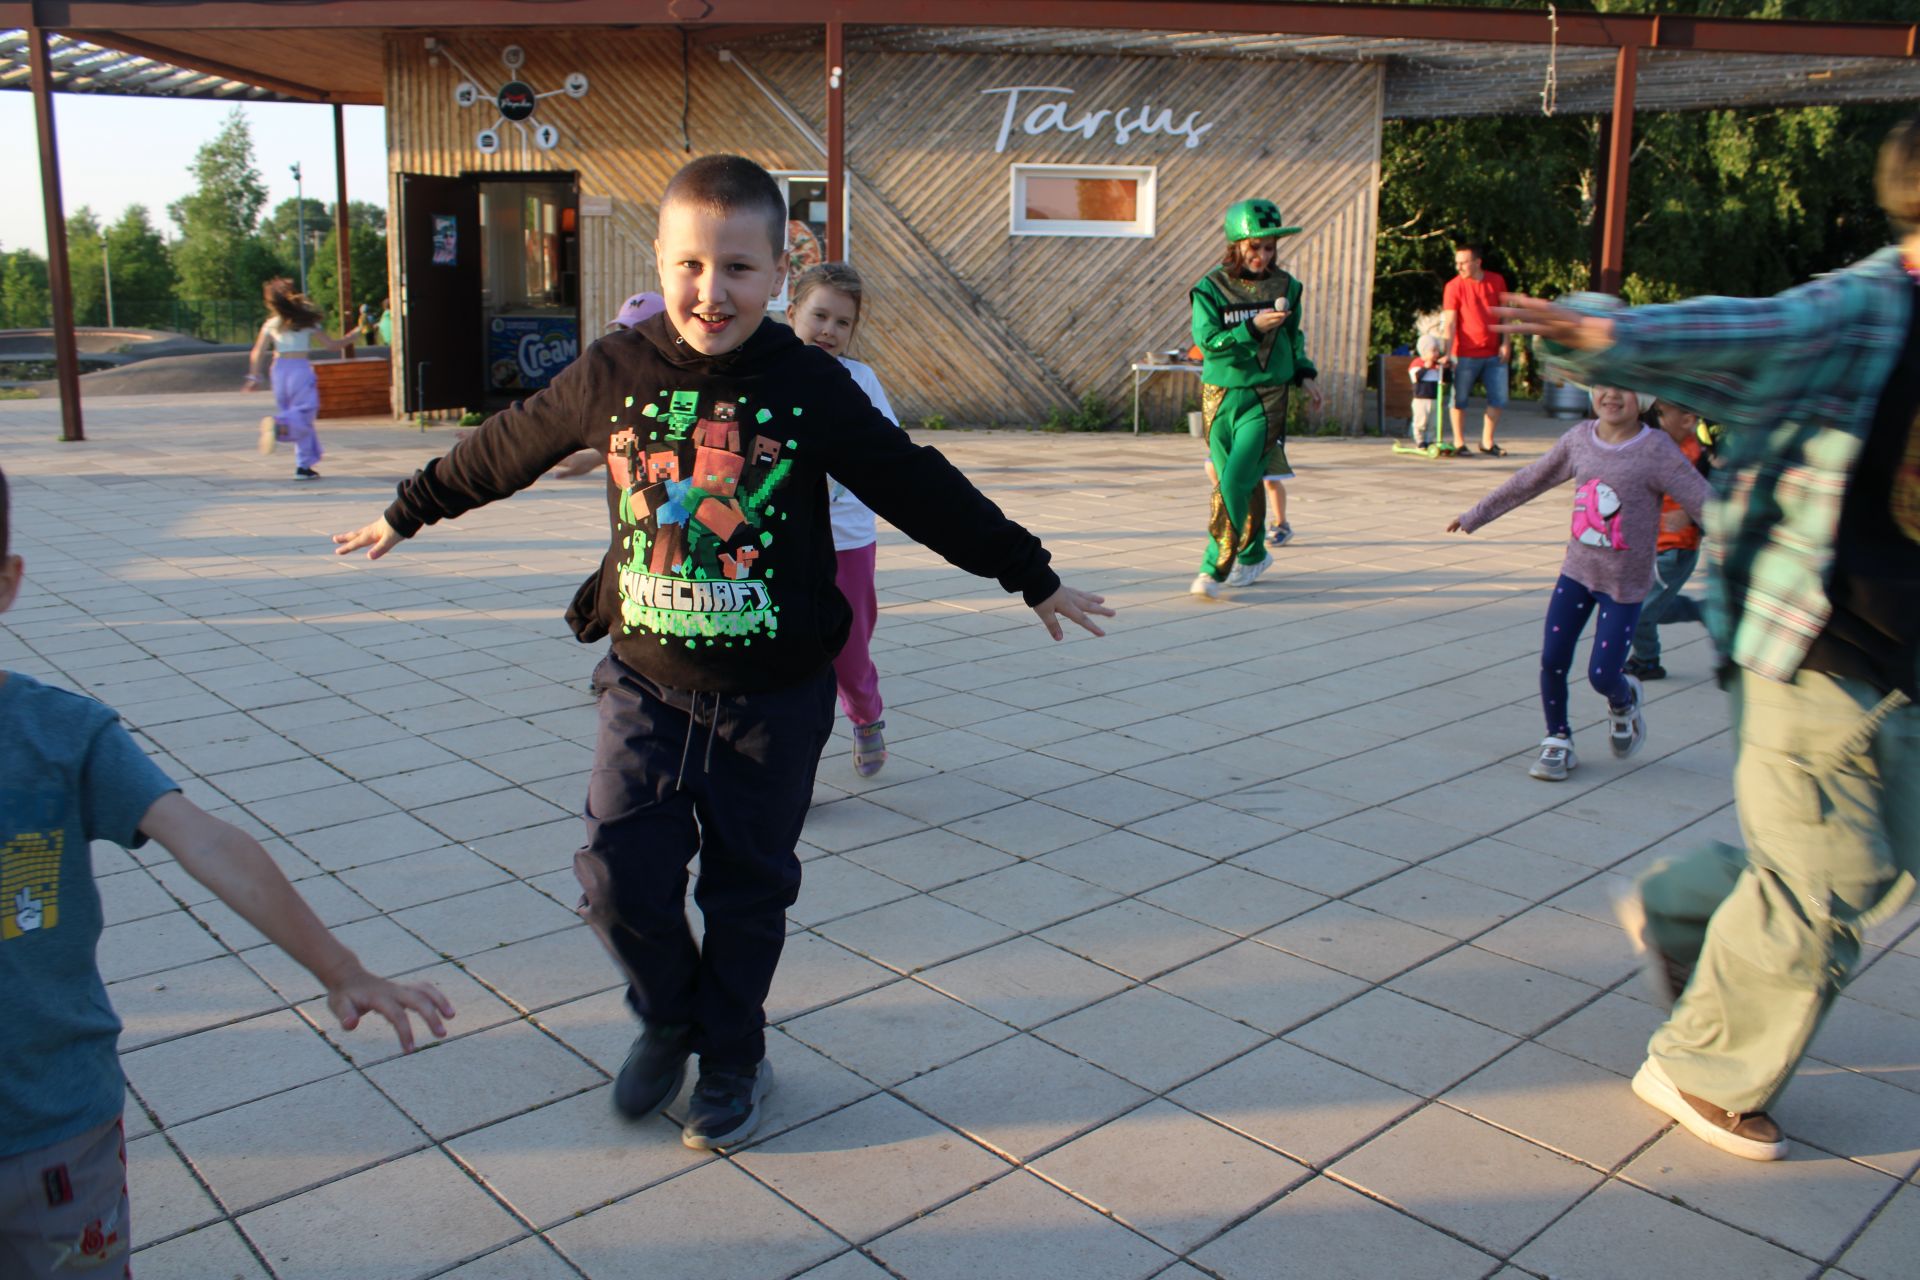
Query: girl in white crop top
(294, 330)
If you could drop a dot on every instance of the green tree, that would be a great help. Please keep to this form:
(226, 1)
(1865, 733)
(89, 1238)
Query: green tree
(1738, 201)
(84, 276)
(143, 276)
(219, 255)
(367, 254)
(280, 234)
(24, 300)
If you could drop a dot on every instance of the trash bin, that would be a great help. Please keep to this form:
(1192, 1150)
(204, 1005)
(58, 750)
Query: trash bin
(1564, 400)
(1195, 424)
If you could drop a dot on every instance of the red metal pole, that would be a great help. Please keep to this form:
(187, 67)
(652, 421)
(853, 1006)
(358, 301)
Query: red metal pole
(1613, 233)
(66, 353)
(836, 141)
(343, 261)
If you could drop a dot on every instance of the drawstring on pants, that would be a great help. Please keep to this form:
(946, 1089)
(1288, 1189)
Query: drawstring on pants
(713, 727)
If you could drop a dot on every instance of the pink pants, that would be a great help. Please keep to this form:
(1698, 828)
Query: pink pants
(853, 670)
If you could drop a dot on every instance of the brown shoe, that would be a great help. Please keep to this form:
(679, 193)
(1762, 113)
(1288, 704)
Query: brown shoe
(1751, 1135)
(1664, 977)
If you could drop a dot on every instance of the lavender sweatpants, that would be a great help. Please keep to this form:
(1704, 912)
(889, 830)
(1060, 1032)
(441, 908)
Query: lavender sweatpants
(296, 402)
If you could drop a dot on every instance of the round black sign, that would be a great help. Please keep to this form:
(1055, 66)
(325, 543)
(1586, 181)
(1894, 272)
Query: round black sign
(516, 100)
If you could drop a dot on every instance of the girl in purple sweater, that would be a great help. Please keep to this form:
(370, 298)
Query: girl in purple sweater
(1620, 468)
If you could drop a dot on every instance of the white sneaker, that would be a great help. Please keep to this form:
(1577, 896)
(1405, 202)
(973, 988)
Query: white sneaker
(1627, 730)
(1245, 575)
(1206, 587)
(1751, 1135)
(268, 432)
(1556, 760)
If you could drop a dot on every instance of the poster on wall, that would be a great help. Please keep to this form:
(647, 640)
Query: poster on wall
(525, 352)
(446, 239)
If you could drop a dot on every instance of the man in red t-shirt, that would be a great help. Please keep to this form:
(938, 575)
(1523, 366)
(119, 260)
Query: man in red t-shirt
(1479, 354)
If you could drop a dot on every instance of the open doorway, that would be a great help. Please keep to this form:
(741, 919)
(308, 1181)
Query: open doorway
(490, 287)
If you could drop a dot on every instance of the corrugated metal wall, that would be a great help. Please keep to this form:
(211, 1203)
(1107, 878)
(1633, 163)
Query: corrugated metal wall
(965, 320)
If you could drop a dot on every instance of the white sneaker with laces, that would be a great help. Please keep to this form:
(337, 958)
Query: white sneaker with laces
(1556, 760)
(1245, 575)
(1206, 587)
(1627, 730)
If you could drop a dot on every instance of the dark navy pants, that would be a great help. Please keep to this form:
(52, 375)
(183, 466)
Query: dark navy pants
(726, 776)
(1567, 612)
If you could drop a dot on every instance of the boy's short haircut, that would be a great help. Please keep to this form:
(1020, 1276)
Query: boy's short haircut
(4, 501)
(726, 184)
(1897, 176)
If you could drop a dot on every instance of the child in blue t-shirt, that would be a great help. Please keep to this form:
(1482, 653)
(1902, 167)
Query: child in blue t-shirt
(71, 774)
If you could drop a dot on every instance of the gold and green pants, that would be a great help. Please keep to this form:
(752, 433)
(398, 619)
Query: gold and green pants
(1241, 425)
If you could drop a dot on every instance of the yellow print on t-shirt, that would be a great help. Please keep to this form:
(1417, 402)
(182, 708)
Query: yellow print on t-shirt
(29, 883)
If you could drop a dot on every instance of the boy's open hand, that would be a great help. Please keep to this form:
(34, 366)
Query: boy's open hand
(1575, 330)
(1075, 605)
(361, 993)
(378, 537)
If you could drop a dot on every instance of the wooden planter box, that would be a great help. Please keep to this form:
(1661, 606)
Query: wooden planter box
(357, 388)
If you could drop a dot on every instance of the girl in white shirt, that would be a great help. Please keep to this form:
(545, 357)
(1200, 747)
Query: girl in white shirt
(292, 332)
(824, 310)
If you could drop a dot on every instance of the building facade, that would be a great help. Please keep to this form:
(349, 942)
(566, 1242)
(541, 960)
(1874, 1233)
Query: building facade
(1028, 224)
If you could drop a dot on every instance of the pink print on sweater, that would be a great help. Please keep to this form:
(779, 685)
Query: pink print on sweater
(1596, 516)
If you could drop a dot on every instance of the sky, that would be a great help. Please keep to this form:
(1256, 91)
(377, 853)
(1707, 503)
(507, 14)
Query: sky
(117, 151)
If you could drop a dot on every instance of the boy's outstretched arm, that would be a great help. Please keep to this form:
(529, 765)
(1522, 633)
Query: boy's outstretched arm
(241, 874)
(505, 454)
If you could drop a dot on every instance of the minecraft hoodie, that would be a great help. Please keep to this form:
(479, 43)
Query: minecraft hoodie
(719, 573)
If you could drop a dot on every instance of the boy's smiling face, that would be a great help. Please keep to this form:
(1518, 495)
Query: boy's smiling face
(718, 271)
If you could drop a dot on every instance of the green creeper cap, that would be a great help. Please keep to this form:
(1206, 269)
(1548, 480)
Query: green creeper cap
(1256, 220)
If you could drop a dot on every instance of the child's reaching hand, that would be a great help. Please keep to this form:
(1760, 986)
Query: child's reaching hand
(359, 993)
(1453, 525)
(1076, 606)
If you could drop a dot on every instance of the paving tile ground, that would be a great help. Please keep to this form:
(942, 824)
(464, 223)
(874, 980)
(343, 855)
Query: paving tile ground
(1238, 935)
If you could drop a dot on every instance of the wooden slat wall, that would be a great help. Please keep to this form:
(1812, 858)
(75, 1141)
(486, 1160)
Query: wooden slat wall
(964, 320)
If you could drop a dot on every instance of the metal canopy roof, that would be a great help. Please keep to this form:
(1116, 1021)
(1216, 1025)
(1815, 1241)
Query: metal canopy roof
(79, 67)
(1428, 78)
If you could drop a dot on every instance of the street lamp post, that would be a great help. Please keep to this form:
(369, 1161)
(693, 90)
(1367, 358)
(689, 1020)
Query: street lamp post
(106, 270)
(300, 207)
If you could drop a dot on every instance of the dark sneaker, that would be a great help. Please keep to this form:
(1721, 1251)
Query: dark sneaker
(305, 473)
(653, 1072)
(726, 1106)
(1280, 535)
(1664, 977)
(1626, 726)
(1642, 669)
(1751, 1135)
(1556, 760)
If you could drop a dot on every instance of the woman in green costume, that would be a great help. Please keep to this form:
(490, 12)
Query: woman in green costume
(1246, 322)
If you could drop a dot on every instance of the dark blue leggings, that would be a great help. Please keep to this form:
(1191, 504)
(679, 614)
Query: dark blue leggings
(1567, 613)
